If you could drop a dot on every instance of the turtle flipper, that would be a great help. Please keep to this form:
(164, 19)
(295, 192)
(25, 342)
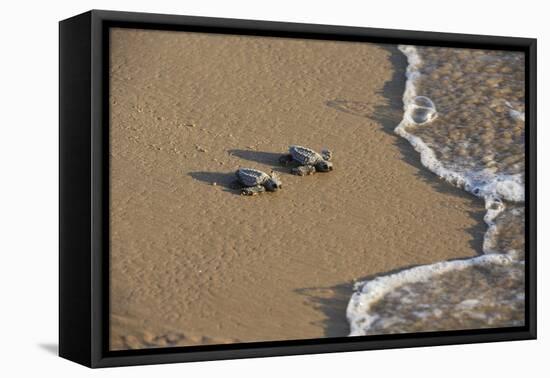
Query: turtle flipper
(252, 190)
(303, 170)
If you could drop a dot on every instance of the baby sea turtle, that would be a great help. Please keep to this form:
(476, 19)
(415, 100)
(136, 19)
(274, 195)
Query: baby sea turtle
(308, 160)
(254, 181)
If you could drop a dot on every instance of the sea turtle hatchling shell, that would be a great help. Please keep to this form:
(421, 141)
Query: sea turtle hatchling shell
(251, 177)
(304, 155)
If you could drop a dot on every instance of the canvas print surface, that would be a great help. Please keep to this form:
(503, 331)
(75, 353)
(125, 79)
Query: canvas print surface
(269, 189)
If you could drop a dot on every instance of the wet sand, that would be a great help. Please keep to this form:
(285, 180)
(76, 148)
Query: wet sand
(196, 263)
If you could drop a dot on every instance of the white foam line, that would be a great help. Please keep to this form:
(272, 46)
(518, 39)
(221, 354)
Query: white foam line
(369, 292)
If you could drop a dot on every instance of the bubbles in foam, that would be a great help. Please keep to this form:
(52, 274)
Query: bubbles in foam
(421, 110)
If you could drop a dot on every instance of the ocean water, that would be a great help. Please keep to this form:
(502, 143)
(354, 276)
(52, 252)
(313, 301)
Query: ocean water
(464, 113)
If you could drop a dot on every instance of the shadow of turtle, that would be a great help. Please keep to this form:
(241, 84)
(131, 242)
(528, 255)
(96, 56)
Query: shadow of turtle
(270, 159)
(227, 181)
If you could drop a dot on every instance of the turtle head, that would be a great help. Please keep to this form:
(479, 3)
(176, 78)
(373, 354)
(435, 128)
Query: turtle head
(273, 183)
(323, 166)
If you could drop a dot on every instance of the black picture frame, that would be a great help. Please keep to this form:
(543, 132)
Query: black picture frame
(84, 184)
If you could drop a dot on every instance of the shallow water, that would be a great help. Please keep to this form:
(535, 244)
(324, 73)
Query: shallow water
(464, 113)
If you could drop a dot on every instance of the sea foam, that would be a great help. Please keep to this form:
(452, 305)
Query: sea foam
(495, 187)
(360, 312)
(482, 183)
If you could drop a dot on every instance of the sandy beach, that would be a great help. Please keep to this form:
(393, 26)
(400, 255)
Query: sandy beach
(193, 262)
